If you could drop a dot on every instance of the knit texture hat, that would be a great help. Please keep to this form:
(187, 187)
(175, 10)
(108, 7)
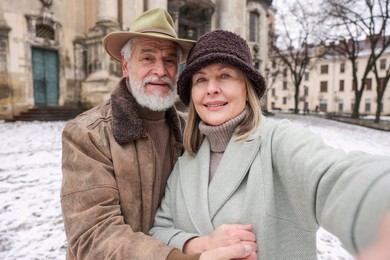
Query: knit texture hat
(219, 46)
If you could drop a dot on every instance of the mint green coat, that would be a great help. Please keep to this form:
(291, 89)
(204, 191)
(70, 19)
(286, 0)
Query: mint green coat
(286, 182)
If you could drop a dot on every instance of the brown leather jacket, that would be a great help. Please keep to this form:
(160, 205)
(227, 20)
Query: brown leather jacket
(108, 176)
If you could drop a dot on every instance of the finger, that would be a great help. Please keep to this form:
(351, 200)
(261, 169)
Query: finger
(251, 256)
(253, 245)
(238, 226)
(226, 253)
(244, 235)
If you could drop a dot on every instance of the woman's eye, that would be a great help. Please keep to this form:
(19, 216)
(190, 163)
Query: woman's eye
(225, 75)
(199, 80)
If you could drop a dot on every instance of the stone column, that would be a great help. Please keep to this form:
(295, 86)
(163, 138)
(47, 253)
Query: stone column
(107, 11)
(150, 4)
(5, 88)
(130, 10)
(232, 16)
(103, 72)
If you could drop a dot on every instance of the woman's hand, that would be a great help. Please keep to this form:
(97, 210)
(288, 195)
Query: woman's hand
(238, 251)
(224, 236)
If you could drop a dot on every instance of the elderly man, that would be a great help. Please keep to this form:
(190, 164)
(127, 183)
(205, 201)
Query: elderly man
(117, 156)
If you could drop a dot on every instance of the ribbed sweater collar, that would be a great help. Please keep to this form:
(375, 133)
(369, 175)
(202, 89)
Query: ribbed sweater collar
(219, 136)
(151, 115)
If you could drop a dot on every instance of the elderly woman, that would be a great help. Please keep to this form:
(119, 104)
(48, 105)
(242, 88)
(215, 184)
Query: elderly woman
(242, 168)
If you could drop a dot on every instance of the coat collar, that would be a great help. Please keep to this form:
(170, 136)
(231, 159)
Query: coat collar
(204, 200)
(127, 122)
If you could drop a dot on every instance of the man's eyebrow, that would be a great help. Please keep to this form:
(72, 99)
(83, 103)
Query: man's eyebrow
(153, 50)
(146, 50)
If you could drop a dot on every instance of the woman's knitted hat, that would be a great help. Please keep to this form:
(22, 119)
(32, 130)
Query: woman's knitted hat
(219, 46)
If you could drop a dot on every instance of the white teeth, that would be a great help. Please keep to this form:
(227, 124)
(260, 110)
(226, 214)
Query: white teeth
(215, 105)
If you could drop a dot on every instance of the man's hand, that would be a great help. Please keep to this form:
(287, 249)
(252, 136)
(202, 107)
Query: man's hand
(380, 250)
(224, 236)
(239, 251)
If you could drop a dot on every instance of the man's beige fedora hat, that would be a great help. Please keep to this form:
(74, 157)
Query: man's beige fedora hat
(156, 23)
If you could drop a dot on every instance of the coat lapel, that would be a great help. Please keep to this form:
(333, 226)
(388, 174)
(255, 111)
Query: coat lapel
(231, 170)
(194, 180)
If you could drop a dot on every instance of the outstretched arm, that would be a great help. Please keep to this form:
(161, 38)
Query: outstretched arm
(380, 249)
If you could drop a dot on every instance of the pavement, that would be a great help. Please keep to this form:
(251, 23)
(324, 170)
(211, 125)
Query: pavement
(383, 125)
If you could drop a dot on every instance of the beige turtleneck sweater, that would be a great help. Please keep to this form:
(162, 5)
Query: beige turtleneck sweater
(219, 137)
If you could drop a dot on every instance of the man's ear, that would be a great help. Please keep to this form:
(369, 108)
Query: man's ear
(125, 72)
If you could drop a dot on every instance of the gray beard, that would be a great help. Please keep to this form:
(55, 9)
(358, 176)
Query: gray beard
(157, 101)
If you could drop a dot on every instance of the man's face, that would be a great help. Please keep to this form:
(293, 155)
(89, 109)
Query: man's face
(152, 72)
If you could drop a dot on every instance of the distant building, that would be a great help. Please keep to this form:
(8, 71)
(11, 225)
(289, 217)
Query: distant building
(328, 87)
(51, 51)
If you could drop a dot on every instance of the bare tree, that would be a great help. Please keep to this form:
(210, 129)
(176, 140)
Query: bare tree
(381, 84)
(356, 24)
(293, 44)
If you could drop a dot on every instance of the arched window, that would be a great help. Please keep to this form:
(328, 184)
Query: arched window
(254, 26)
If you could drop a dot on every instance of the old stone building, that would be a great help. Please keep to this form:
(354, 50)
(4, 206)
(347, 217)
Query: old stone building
(327, 86)
(51, 52)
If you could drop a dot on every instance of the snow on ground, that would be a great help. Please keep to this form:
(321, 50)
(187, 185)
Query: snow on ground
(31, 225)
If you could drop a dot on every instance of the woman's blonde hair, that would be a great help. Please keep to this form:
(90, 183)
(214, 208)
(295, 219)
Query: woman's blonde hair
(192, 138)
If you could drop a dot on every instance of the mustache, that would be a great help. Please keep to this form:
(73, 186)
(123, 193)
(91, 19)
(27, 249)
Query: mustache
(154, 78)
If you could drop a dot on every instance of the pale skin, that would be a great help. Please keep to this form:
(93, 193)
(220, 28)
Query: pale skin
(159, 57)
(218, 93)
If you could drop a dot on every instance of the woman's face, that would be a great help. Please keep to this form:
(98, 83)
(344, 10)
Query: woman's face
(218, 93)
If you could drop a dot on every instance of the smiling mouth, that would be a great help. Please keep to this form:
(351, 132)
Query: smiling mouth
(215, 105)
(158, 84)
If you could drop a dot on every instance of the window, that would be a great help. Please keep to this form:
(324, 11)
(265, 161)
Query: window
(273, 92)
(254, 29)
(306, 91)
(342, 67)
(306, 76)
(285, 73)
(324, 86)
(367, 106)
(341, 86)
(284, 85)
(324, 69)
(352, 104)
(323, 105)
(368, 84)
(273, 64)
(44, 31)
(382, 64)
(284, 100)
(341, 106)
(3, 58)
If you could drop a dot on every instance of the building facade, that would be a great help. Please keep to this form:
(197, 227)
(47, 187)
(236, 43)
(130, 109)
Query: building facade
(51, 51)
(328, 87)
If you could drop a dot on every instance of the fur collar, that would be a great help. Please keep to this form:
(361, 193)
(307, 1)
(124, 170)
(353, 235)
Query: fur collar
(127, 122)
